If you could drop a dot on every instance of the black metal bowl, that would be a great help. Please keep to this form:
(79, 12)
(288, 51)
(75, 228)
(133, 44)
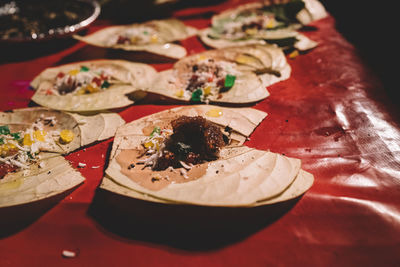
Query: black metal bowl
(35, 20)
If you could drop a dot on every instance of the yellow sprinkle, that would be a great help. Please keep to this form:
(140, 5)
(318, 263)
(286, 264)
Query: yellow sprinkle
(157, 176)
(148, 145)
(39, 135)
(154, 39)
(251, 31)
(242, 59)
(201, 58)
(81, 91)
(73, 72)
(214, 112)
(66, 136)
(270, 24)
(7, 147)
(27, 140)
(179, 93)
(207, 90)
(134, 39)
(91, 89)
(294, 54)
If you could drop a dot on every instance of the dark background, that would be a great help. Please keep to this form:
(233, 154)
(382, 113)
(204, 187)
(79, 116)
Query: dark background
(372, 26)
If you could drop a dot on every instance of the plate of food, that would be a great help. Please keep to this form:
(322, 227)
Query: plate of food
(91, 85)
(32, 144)
(261, 22)
(234, 75)
(27, 21)
(194, 155)
(156, 37)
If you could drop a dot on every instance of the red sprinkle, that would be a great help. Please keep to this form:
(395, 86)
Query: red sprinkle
(60, 74)
(6, 168)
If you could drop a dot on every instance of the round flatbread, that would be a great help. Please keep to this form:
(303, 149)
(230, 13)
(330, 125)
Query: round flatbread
(31, 143)
(237, 75)
(258, 23)
(156, 37)
(241, 176)
(91, 85)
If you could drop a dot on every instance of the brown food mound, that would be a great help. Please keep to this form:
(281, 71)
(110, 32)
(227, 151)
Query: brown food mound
(194, 141)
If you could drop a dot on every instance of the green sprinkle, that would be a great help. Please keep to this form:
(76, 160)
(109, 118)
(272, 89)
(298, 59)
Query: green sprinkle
(30, 155)
(105, 84)
(17, 136)
(155, 130)
(196, 95)
(1, 141)
(229, 80)
(145, 32)
(84, 68)
(4, 129)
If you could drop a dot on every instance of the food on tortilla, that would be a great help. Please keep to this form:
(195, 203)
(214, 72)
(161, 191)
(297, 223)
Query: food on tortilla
(187, 155)
(263, 22)
(231, 75)
(156, 36)
(32, 141)
(91, 85)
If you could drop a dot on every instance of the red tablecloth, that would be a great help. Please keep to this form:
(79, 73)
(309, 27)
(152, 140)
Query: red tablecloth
(332, 113)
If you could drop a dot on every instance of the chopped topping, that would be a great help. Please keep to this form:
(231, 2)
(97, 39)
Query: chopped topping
(208, 77)
(139, 35)
(81, 81)
(229, 81)
(20, 149)
(294, 54)
(81, 165)
(68, 254)
(194, 140)
(84, 69)
(196, 95)
(247, 24)
(66, 136)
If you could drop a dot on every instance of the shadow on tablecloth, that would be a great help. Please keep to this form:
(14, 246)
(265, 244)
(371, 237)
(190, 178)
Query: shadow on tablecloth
(192, 228)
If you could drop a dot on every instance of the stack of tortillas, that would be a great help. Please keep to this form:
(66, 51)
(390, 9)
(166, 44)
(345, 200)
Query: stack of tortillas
(242, 176)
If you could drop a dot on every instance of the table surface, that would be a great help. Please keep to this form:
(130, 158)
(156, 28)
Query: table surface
(332, 114)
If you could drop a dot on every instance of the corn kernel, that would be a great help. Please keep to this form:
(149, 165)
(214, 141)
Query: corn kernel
(91, 89)
(134, 40)
(270, 24)
(294, 54)
(27, 140)
(251, 31)
(81, 91)
(66, 136)
(201, 58)
(214, 112)
(207, 90)
(39, 135)
(73, 72)
(179, 93)
(7, 147)
(148, 144)
(154, 39)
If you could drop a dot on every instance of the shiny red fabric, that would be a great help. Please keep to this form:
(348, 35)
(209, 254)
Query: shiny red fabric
(332, 113)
